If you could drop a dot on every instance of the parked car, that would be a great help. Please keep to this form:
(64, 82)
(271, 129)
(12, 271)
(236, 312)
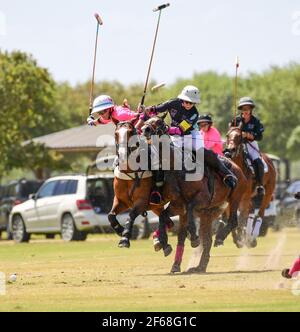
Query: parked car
(13, 194)
(72, 206)
(290, 206)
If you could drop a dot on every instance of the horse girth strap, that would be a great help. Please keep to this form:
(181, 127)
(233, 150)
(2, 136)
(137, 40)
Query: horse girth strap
(136, 184)
(131, 176)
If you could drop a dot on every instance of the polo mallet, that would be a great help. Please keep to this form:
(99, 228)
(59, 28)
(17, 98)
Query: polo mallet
(158, 86)
(99, 22)
(237, 65)
(159, 8)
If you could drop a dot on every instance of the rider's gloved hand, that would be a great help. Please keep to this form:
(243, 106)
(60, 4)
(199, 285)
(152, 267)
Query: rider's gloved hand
(91, 121)
(174, 131)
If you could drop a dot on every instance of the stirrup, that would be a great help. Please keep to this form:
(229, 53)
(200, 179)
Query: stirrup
(230, 181)
(156, 198)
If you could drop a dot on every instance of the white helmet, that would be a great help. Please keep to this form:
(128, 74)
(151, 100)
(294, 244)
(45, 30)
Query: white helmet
(190, 93)
(102, 103)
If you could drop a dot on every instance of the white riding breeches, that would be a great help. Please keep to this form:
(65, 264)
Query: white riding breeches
(253, 150)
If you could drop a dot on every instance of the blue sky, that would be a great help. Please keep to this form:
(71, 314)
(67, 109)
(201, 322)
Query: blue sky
(194, 36)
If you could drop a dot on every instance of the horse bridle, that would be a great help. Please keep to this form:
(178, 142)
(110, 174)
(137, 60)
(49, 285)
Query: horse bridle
(234, 153)
(121, 124)
(161, 129)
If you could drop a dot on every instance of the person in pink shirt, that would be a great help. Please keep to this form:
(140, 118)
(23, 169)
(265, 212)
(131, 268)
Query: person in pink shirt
(289, 273)
(212, 137)
(105, 111)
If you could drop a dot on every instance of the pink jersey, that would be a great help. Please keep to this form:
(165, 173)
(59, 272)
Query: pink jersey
(295, 268)
(119, 113)
(213, 140)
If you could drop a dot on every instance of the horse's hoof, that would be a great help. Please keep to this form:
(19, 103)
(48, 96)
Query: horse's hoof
(124, 243)
(218, 243)
(251, 243)
(196, 242)
(176, 268)
(168, 250)
(192, 270)
(196, 269)
(239, 244)
(157, 245)
(201, 270)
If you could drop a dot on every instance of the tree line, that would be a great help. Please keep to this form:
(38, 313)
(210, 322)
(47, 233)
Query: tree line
(32, 104)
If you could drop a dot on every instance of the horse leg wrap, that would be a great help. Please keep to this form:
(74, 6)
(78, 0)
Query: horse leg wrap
(257, 228)
(250, 222)
(115, 224)
(179, 254)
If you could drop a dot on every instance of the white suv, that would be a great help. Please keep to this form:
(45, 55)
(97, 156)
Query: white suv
(72, 206)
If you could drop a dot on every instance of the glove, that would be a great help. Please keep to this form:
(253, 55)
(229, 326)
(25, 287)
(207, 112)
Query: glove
(174, 131)
(90, 121)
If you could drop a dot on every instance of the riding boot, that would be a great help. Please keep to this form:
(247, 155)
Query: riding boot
(260, 172)
(213, 161)
(157, 193)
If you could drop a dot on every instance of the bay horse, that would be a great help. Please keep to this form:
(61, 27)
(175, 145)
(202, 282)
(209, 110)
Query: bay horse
(132, 190)
(246, 233)
(194, 198)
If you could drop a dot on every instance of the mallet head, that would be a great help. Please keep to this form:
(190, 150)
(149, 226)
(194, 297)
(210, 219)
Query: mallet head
(161, 7)
(98, 18)
(158, 86)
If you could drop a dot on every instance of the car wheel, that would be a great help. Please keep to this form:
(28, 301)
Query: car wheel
(144, 230)
(19, 230)
(135, 232)
(69, 231)
(50, 236)
(82, 236)
(9, 235)
(298, 218)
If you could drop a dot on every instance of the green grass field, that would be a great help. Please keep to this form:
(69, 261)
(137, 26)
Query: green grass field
(97, 276)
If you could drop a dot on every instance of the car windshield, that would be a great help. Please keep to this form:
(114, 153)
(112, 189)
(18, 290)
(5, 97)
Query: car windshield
(294, 188)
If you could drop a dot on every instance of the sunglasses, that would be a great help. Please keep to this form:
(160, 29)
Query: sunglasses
(188, 103)
(203, 124)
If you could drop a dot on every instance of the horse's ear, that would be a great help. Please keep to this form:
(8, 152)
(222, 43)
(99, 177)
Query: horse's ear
(115, 121)
(164, 116)
(229, 125)
(240, 125)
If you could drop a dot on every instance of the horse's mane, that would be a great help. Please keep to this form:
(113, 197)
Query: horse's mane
(233, 129)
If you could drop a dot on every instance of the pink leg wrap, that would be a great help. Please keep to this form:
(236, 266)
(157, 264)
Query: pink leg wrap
(295, 268)
(179, 254)
(156, 234)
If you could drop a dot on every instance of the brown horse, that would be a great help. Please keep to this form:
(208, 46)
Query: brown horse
(132, 188)
(195, 198)
(246, 233)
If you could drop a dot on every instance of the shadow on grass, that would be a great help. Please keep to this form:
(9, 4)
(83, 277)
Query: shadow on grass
(207, 273)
